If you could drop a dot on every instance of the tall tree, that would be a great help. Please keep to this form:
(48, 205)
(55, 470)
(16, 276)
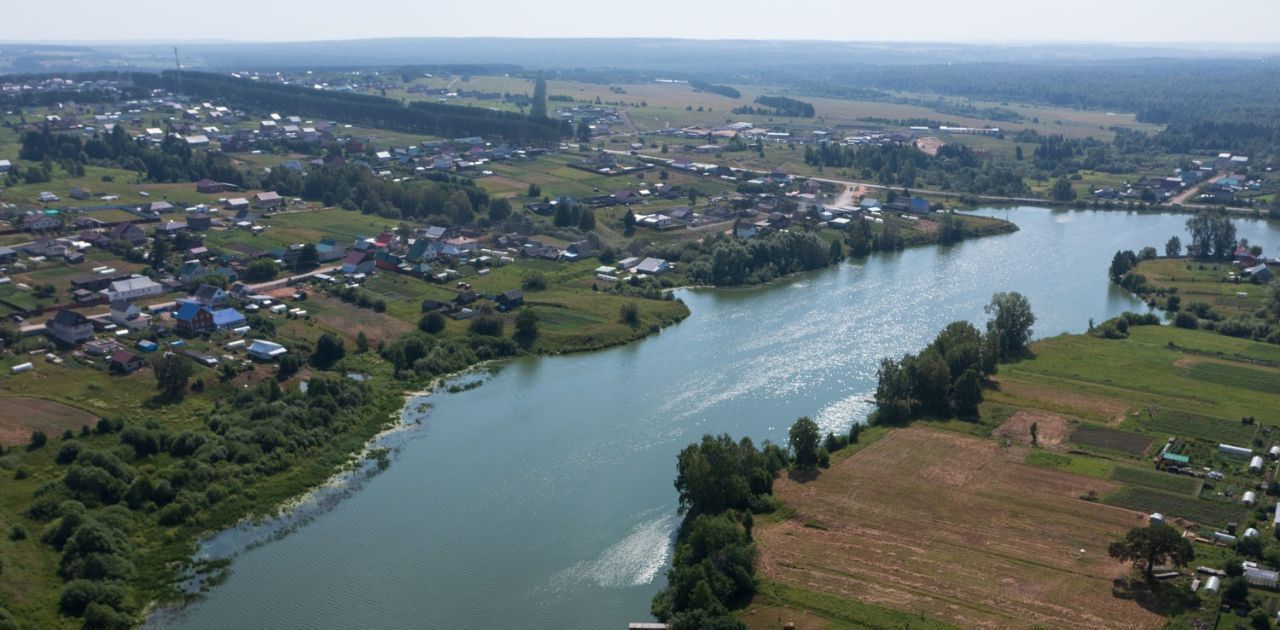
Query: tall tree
(1011, 322)
(1173, 248)
(172, 373)
(1062, 190)
(803, 437)
(1153, 545)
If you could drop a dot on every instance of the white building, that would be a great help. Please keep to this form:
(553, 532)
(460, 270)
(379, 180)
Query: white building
(134, 288)
(264, 350)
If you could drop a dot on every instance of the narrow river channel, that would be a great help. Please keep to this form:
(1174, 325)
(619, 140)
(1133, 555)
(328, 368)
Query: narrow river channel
(544, 498)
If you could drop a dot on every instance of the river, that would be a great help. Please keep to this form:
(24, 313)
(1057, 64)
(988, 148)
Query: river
(544, 498)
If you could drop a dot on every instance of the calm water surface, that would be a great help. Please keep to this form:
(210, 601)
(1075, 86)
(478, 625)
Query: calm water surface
(544, 498)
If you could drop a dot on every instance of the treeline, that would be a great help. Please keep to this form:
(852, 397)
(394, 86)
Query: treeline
(721, 484)
(422, 355)
(354, 187)
(118, 485)
(1235, 105)
(955, 167)
(945, 379)
(711, 88)
(173, 160)
(723, 261)
(449, 121)
(778, 106)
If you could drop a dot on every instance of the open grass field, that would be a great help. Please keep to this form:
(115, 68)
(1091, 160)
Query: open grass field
(656, 106)
(1204, 282)
(1076, 464)
(956, 529)
(1145, 371)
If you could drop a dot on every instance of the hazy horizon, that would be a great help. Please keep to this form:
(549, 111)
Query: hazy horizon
(990, 22)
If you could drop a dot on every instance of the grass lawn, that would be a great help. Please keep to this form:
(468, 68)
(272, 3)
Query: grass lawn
(1206, 282)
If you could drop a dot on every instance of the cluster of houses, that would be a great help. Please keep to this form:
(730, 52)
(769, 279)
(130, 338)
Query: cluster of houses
(1202, 173)
(599, 119)
(207, 310)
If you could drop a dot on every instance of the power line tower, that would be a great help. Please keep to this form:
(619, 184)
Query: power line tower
(177, 77)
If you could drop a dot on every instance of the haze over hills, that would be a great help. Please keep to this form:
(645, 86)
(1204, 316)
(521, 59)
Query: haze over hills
(652, 54)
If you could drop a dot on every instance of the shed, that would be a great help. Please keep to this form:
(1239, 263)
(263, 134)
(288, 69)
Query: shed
(1211, 585)
(1224, 537)
(1275, 452)
(1250, 497)
(146, 345)
(1256, 464)
(1176, 458)
(1250, 533)
(23, 367)
(1156, 518)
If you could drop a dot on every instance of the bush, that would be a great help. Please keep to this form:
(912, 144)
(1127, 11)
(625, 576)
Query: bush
(1185, 320)
(289, 365)
(78, 594)
(68, 452)
(38, 440)
(535, 282)
(432, 323)
(488, 325)
(629, 314)
(18, 532)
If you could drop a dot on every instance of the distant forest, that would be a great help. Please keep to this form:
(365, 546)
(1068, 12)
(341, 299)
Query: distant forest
(1207, 104)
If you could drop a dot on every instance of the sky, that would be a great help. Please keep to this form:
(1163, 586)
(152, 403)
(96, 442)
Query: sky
(994, 21)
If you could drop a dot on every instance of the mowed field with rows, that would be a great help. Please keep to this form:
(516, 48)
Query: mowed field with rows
(956, 528)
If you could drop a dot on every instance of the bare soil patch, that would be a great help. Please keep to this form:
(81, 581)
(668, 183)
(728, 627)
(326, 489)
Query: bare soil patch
(1103, 408)
(20, 416)
(1051, 429)
(943, 525)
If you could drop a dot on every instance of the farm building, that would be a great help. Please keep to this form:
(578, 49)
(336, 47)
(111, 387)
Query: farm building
(1275, 452)
(1174, 458)
(1261, 577)
(1250, 497)
(1237, 451)
(1156, 518)
(1251, 533)
(1211, 585)
(1256, 464)
(1224, 537)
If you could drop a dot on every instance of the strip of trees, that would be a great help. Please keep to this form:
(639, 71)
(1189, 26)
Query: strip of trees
(945, 379)
(778, 106)
(449, 121)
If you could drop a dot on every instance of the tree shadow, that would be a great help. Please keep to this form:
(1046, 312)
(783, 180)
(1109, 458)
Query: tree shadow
(802, 475)
(1162, 598)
